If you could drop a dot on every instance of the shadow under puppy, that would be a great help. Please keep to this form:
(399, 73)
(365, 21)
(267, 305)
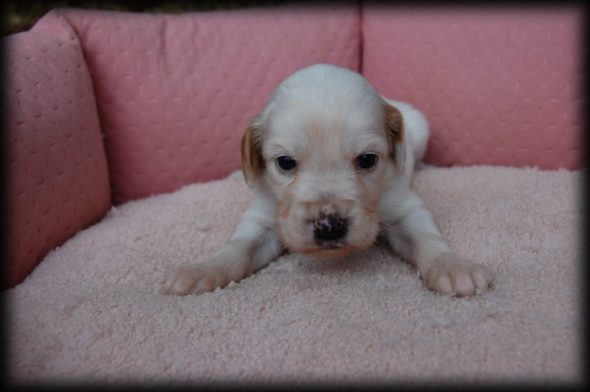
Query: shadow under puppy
(329, 162)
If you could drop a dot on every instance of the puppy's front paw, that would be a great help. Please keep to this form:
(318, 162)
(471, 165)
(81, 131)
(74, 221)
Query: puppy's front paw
(194, 279)
(454, 275)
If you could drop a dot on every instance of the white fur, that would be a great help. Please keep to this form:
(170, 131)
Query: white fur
(325, 117)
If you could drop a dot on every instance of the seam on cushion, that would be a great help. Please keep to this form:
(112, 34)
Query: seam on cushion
(66, 33)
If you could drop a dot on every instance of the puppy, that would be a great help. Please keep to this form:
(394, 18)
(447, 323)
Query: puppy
(329, 162)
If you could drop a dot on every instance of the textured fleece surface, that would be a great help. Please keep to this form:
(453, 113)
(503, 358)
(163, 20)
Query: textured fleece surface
(92, 310)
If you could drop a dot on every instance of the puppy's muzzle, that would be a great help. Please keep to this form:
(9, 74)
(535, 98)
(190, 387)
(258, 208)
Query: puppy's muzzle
(329, 228)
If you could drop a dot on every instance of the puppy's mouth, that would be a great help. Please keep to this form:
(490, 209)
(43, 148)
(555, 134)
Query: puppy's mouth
(327, 236)
(330, 250)
(330, 245)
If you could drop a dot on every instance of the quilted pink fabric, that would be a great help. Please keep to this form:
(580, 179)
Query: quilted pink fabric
(176, 92)
(498, 86)
(58, 178)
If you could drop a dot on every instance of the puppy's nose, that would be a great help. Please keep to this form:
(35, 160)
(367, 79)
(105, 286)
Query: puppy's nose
(329, 227)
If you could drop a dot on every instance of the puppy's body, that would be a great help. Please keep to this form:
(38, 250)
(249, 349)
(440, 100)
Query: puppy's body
(330, 162)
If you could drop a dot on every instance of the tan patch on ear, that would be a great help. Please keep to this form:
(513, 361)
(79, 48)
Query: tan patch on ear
(252, 159)
(394, 126)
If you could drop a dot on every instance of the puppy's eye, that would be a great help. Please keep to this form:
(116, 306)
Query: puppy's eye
(286, 163)
(366, 161)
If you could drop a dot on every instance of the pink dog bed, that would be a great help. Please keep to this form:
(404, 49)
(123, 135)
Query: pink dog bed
(94, 311)
(122, 128)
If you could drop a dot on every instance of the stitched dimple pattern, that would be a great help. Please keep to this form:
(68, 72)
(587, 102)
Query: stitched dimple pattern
(175, 92)
(498, 87)
(58, 178)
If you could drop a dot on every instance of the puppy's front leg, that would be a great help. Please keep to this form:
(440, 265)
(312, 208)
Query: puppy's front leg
(253, 245)
(411, 231)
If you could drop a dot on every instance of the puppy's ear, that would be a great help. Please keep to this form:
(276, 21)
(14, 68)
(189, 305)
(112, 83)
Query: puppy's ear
(252, 160)
(394, 127)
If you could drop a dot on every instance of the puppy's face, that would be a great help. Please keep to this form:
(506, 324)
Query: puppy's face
(324, 146)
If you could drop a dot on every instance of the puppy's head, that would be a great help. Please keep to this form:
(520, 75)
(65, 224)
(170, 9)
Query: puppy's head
(324, 146)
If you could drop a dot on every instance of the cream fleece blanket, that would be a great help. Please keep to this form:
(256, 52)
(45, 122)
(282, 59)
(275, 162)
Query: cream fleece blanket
(92, 310)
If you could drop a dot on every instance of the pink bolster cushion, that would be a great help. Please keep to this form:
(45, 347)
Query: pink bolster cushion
(58, 178)
(499, 86)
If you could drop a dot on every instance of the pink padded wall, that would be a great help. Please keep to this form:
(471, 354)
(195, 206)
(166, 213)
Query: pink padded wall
(175, 92)
(498, 86)
(57, 171)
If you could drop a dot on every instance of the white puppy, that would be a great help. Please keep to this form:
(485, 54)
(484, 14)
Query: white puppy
(329, 162)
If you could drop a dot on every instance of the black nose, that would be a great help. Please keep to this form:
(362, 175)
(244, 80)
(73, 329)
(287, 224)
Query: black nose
(329, 228)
